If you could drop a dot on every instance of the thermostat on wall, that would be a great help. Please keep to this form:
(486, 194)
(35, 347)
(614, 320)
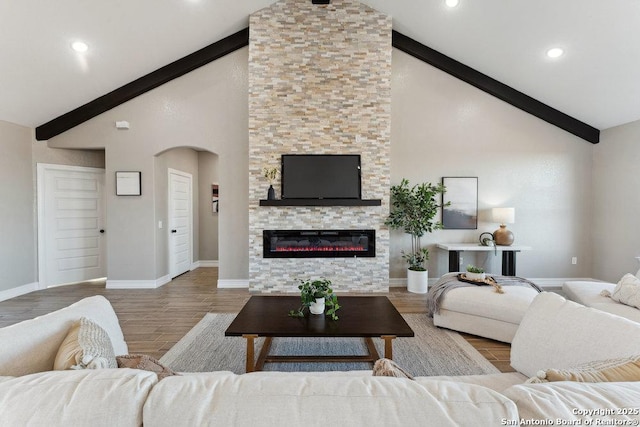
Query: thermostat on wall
(122, 125)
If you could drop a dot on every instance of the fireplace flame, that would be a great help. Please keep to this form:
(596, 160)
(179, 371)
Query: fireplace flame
(320, 249)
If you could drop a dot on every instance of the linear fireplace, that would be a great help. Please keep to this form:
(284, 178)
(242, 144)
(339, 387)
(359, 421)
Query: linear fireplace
(319, 243)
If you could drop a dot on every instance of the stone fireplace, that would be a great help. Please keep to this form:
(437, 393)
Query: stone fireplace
(320, 83)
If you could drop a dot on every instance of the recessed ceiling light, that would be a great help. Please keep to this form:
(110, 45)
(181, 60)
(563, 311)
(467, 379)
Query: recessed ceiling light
(79, 46)
(451, 3)
(555, 52)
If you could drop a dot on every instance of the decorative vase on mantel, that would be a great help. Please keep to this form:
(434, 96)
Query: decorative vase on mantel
(270, 173)
(317, 307)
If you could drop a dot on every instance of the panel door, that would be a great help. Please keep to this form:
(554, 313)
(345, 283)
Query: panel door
(72, 220)
(180, 214)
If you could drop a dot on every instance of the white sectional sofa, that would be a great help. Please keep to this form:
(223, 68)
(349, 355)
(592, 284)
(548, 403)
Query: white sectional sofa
(554, 333)
(478, 310)
(589, 293)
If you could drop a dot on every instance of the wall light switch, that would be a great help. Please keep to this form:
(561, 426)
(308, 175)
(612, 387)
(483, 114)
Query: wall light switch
(159, 224)
(574, 260)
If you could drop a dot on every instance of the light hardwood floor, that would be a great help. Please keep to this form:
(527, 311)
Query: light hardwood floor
(153, 320)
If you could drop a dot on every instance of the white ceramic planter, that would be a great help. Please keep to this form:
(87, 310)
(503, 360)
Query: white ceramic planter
(317, 307)
(417, 281)
(475, 276)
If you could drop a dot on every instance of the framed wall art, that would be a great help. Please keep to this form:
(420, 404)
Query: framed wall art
(214, 198)
(128, 183)
(462, 194)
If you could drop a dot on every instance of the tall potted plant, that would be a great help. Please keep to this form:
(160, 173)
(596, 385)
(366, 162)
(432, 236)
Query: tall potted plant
(413, 210)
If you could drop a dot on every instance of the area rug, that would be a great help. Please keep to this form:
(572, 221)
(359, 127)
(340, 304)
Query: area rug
(433, 351)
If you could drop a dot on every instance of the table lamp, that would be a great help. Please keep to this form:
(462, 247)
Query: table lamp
(503, 216)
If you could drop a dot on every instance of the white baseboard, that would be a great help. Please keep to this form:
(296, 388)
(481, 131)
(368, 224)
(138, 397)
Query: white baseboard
(20, 290)
(209, 263)
(233, 283)
(163, 280)
(138, 284)
(398, 283)
(402, 282)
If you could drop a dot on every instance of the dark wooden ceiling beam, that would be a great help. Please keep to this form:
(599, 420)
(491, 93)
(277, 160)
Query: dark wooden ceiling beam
(495, 88)
(144, 84)
(241, 38)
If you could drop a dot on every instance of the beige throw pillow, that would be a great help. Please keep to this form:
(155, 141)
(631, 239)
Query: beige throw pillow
(627, 291)
(389, 368)
(612, 370)
(87, 346)
(145, 363)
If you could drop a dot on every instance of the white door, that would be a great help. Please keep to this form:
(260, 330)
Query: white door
(71, 224)
(180, 208)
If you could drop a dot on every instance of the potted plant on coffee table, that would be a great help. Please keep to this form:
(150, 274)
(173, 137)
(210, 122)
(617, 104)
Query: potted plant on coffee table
(413, 210)
(317, 296)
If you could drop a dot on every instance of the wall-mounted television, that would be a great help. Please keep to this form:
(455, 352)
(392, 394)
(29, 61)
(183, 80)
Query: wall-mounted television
(320, 176)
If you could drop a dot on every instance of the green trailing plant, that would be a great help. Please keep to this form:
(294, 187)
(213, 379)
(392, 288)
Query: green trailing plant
(312, 289)
(474, 269)
(413, 210)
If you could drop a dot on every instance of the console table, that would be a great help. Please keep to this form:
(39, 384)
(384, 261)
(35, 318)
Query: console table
(508, 254)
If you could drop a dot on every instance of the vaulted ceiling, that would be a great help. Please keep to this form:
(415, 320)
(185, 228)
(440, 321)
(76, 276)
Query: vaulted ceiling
(594, 81)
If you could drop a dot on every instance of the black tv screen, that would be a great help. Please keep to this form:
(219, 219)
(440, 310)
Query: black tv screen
(320, 176)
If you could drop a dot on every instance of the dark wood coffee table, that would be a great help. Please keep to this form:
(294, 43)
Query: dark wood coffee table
(360, 317)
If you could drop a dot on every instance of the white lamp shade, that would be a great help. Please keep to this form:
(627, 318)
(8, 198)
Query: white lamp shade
(504, 215)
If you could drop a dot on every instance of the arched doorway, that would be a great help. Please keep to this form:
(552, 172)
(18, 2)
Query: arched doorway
(202, 166)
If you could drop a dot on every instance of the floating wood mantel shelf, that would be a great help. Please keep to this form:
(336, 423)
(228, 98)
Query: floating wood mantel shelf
(321, 202)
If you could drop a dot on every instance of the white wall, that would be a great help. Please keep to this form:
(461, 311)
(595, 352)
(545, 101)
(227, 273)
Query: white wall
(208, 174)
(616, 202)
(17, 195)
(571, 198)
(18, 247)
(205, 109)
(41, 153)
(442, 126)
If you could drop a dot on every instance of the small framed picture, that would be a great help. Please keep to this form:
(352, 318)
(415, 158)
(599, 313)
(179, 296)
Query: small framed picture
(214, 198)
(128, 183)
(462, 194)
